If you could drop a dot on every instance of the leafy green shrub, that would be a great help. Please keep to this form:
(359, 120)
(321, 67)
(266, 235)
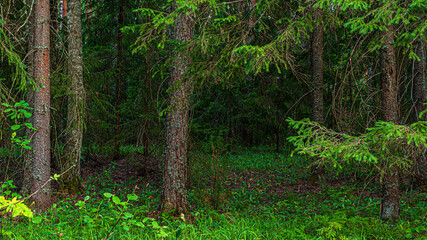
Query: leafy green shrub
(10, 203)
(117, 212)
(16, 112)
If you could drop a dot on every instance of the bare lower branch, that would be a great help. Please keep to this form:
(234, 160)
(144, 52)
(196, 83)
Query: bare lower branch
(38, 190)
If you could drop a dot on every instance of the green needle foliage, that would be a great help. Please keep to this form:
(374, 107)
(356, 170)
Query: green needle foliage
(373, 16)
(382, 146)
(19, 76)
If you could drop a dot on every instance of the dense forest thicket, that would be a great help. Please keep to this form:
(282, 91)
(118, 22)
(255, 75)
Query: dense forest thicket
(213, 119)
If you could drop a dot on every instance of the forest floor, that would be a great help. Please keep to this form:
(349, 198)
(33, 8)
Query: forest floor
(248, 194)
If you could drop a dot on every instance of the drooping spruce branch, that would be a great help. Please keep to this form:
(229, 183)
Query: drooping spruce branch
(382, 146)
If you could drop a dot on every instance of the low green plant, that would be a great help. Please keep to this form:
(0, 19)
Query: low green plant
(15, 206)
(119, 214)
(10, 202)
(17, 112)
(255, 207)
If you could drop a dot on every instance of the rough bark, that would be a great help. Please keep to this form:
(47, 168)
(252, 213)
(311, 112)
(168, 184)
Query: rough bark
(229, 118)
(40, 171)
(146, 139)
(278, 129)
(317, 68)
(174, 195)
(148, 102)
(28, 154)
(390, 207)
(64, 8)
(419, 82)
(118, 84)
(419, 100)
(317, 84)
(70, 182)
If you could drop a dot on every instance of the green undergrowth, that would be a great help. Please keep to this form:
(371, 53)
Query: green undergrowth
(297, 217)
(250, 194)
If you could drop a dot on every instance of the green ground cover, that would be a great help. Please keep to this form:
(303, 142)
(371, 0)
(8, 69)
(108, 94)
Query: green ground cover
(250, 194)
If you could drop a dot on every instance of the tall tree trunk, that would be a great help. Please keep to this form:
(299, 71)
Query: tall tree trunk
(229, 119)
(147, 110)
(70, 182)
(390, 207)
(277, 129)
(174, 195)
(317, 68)
(317, 83)
(28, 154)
(146, 139)
(419, 82)
(119, 83)
(40, 171)
(419, 99)
(148, 101)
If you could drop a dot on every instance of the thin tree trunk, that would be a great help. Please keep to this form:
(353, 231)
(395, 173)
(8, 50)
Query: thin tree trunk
(28, 154)
(70, 182)
(148, 100)
(119, 84)
(419, 100)
(40, 171)
(278, 129)
(419, 82)
(174, 195)
(317, 68)
(317, 84)
(229, 118)
(146, 140)
(64, 8)
(390, 207)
